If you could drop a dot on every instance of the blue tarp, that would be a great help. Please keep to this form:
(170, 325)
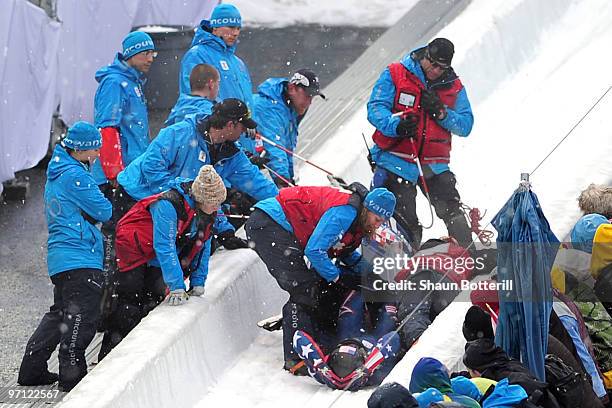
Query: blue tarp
(526, 250)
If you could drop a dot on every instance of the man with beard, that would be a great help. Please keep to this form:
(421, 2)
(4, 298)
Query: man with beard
(319, 223)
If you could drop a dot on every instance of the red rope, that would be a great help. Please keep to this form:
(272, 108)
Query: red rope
(474, 218)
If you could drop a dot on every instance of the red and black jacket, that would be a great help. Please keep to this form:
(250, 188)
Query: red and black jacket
(134, 240)
(433, 142)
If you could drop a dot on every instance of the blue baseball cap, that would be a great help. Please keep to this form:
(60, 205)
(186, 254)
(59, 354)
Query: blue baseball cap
(380, 201)
(83, 136)
(225, 15)
(135, 43)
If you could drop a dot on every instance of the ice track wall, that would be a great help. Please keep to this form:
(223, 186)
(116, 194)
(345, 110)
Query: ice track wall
(177, 353)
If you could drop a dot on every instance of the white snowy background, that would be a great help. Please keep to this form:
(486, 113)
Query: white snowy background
(361, 13)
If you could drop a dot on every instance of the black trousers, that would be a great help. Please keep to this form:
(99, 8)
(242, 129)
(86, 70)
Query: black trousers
(444, 198)
(313, 303)
(138, 291)
(122, 203)
(71, 323)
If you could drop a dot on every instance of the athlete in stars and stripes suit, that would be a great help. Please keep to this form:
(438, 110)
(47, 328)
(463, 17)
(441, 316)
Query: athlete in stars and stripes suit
(362, 358)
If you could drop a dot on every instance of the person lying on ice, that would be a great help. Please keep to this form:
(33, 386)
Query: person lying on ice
(363, 357)
(161, 239)
(319, 223)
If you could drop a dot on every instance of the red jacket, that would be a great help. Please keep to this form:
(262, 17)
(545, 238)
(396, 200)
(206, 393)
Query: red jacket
(134, 240)
(433, 142)
(304, 207)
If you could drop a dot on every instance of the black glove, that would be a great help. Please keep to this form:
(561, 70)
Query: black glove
(230, 241)
(407, 127)
(259, 161)
(432, 104)
(281, 183)
(349, 281)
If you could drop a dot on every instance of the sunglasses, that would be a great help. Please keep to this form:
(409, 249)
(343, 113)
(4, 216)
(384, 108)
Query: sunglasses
(435, 63)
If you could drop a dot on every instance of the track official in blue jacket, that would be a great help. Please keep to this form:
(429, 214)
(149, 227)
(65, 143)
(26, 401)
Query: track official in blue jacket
(73, 205)
(215, 43)
(204, 81)
(120, 107)
(181, 149)
(278, 107)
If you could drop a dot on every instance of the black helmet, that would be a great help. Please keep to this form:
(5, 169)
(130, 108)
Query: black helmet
(349, 355)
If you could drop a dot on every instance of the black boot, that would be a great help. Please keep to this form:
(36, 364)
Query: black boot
(45, 378)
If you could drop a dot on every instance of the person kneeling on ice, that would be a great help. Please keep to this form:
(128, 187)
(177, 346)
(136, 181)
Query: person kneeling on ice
(364, 357)
(161, 240)
(319, 223)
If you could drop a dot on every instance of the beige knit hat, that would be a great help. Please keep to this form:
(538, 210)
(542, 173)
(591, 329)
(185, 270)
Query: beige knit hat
(208, 187)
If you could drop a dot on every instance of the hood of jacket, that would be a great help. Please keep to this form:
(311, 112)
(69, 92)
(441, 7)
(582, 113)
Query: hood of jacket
(429, 373)
(483, 353)
(274, 88)
(61, 161)
(121, 68)
(505, 395)
(204, 36)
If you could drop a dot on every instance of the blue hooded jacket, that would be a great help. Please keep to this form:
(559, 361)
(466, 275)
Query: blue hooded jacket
(180, 151)
(165, 226)
(207, 48)
(458, 121)
(70, 194)
(187, 105)
(277, 122)
(120, 103)
(431, 373)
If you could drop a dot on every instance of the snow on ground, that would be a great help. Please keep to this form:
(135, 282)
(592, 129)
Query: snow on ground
(361, 13)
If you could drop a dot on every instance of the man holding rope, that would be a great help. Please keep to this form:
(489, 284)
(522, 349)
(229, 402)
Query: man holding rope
(415, 106)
